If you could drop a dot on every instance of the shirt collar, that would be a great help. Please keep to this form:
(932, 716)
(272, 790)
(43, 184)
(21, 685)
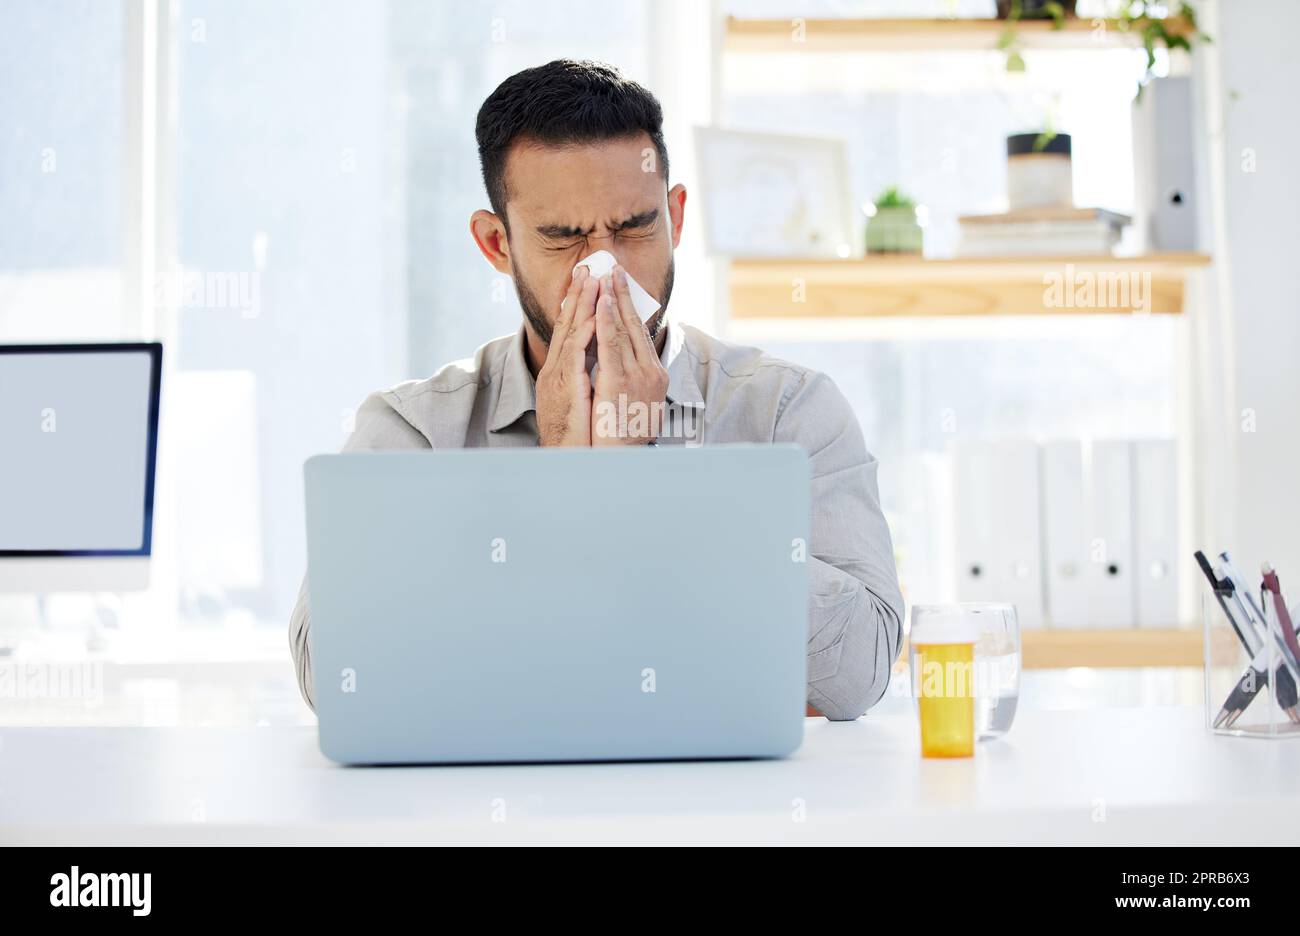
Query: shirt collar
(518, 394)
(676, 358)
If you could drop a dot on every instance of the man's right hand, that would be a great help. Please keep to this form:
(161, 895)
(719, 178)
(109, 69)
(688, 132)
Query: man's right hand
(563, 387)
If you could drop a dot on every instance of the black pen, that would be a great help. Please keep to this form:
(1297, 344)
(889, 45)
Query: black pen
(1251, 681)
(1222, 589)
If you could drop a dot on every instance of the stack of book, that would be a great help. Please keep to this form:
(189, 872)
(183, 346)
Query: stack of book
(1057, 231)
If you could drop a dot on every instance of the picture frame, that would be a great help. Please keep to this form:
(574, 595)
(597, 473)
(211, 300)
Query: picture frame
(775, 195)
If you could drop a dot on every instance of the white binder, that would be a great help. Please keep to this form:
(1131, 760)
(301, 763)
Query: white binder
(1065, 534)
(1155, 531)
(996, 497)
(975, 519)
(1110, 547)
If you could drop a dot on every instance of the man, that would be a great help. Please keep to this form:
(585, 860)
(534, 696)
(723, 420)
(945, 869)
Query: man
(574, 161)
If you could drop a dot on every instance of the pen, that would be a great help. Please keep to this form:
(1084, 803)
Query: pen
(1251, 682)
(1222, 590)
(1242, 695)
(1255, 677)
(1272, 586)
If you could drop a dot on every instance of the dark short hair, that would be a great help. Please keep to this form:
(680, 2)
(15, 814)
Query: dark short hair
(560, 103)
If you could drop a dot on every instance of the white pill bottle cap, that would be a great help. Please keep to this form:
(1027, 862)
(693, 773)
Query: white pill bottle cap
(936, 624)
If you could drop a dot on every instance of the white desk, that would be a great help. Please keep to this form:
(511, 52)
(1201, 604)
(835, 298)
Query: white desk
(1117, 776)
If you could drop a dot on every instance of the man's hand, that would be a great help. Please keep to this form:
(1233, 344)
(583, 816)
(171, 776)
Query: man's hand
(563, 389)
(631, 382)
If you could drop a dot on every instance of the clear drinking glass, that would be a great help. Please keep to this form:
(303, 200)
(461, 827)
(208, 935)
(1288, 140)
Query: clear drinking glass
(996, 662)
(997, 669)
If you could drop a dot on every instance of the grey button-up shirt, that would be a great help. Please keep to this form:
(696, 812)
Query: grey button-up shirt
(717, 392)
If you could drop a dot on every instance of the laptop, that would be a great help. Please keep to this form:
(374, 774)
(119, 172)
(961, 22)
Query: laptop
(490, 605)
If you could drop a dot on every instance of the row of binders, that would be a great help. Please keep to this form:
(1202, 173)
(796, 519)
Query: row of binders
(1073, 534)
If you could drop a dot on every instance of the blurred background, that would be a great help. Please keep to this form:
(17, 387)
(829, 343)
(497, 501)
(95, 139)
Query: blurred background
(1035, 285)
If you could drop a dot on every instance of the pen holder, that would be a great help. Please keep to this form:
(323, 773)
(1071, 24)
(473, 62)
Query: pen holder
(1244, 694)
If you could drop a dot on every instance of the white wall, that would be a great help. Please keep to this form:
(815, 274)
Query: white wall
(1260, 71)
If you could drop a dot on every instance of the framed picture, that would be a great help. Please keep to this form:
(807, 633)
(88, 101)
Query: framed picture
(771, 195)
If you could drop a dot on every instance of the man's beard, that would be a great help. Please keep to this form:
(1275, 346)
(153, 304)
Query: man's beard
(537, 319)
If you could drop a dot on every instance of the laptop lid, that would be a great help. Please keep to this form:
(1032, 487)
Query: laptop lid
(487, 605)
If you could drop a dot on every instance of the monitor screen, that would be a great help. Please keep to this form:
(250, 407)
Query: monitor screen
(80, 428)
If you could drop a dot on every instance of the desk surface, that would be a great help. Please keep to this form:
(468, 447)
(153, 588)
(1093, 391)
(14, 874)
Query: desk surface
(1114, 776)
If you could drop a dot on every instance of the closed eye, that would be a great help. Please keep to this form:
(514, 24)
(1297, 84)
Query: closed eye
(639, 225)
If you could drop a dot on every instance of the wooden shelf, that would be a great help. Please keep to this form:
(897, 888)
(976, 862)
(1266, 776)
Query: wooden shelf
(1111, 648)
(1129, 647)
(903, 286)
(914, 35)
(1107, 648)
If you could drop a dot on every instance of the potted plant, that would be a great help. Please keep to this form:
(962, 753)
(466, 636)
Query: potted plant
(1154, 20)
(1039, 172)
(1036, 9)
(1013, 10)
(893, 227)
(1178, 30)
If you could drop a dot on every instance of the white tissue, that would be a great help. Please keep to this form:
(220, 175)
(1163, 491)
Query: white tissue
(646, 305)
(601, 262)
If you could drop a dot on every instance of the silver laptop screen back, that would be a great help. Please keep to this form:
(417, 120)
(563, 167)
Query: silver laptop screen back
(580, 604)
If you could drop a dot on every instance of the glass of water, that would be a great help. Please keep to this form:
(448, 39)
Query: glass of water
(996, 676)
(997, 669)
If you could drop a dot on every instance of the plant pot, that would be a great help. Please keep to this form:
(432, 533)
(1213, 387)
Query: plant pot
(894, 230)
(1034, 9)
(1038, 176)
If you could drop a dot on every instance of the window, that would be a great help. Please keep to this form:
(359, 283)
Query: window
(61, 159)
(311, 175)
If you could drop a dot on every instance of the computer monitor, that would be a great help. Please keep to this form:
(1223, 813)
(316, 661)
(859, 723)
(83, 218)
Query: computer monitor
(79, 424)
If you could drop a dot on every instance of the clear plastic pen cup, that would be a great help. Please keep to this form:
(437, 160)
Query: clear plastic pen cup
(1251, 690)
(942, 657)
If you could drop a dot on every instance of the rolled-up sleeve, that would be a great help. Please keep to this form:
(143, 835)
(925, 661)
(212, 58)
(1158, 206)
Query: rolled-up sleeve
(378, 426)
(855, 607)
(299, 627)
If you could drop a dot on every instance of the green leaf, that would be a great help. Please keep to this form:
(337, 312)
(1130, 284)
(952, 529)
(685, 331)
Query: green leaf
(893, 198)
